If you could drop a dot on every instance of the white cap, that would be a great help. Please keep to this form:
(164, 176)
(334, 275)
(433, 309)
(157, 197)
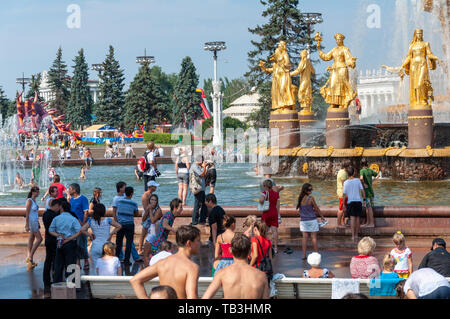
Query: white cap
(314, 259)
(152, 183)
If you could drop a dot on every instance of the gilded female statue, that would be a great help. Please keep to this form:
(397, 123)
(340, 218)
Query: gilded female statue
(416, 66)
(338, 91)
(283, 96)
(305, 69)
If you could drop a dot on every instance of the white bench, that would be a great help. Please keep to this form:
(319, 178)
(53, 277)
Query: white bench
(288, 288)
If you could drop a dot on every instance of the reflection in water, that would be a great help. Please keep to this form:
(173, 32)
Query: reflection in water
(238, 185)
(34, 280)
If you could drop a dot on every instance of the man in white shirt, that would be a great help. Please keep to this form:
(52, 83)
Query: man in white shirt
(167, 249)
(426, 283)
(150, 174)
(353, 203)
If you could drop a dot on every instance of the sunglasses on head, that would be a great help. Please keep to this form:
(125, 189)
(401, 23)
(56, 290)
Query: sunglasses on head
(310, 189)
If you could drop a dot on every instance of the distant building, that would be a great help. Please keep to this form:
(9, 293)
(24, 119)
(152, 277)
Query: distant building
(243, 106)
(46, 93)
(379, 89)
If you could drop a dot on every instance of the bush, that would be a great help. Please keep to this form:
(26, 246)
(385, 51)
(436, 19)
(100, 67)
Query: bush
(161, 138)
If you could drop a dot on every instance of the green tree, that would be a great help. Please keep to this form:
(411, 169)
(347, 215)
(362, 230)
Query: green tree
(12, 108)
(4, 105)
(34, 87)
(80, 104)
(163, 90)
(186, 101)
(140, 101)
(59, 83)
(284, 24)
(110, 106)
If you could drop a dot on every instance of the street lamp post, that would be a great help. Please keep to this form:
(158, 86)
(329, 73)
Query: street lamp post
(99, 68)
(23, 80)
(310, 18)
(216, 95)
(145, 59)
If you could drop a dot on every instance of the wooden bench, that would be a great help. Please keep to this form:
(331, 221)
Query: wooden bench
(288, 288)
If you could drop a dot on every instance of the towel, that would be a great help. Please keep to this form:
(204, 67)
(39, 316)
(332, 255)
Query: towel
(383, 287)
(272, 286)
(341, 286)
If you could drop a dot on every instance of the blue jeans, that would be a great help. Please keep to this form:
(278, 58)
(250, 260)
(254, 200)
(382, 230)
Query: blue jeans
(126, 231)
(134, 253)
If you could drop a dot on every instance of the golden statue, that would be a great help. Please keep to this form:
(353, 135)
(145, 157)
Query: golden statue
(305, 70)
(283, 92)
(415, 65)
(338, 91)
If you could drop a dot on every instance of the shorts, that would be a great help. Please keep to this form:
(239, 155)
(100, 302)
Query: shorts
(369, 202)
(223, 263)
(354, 209)
(341, 203)
(309, 226)
(34, 225)
(210, 178)
(270, 218)
(183, 178)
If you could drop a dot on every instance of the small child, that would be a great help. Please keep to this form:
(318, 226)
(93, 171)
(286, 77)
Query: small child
(109, 264)
(402, 255)
(82, 172)
(389, 264)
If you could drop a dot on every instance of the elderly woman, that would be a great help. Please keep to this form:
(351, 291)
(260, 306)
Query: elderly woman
(364, 265)
(316, 271)
(270, 216)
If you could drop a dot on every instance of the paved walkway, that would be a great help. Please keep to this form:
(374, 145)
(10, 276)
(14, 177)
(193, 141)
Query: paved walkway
(18, 283)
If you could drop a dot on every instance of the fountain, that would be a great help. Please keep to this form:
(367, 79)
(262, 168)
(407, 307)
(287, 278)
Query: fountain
(27, 131)
(416, 151)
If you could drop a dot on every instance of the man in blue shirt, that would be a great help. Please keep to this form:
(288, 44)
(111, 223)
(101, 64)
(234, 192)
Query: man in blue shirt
(120, 187)
(80, 206)
(68, 228)
(126, 210)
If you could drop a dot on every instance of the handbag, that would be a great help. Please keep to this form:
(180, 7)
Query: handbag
(265, 206)
(265, 264)
(194, 185)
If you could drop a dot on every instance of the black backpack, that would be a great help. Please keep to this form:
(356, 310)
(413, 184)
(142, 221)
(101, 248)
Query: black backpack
(266, 264)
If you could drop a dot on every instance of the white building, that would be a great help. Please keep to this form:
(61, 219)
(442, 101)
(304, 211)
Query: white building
(378, 89)
(46, 93)
(242, 107)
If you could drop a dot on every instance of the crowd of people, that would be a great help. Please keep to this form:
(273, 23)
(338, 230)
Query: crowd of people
(242, 256)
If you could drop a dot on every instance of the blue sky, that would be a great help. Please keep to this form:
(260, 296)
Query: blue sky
(32, 30)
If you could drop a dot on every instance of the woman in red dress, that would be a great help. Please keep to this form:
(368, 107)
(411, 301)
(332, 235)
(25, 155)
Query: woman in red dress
(270, 217)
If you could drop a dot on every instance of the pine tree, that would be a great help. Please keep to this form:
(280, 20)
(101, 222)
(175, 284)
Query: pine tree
(4, 105)
(163, 90)
(59, 83)
(110, 106)
(79, 108)
(34, 87)
(186, 101)
(285, 24)
(140, 101)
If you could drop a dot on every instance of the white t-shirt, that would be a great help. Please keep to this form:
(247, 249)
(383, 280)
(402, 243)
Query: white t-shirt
(402, 265)
(352, 188)
(107, 267)
(424, 281)
(151, 170)
(159, 256)
(128, 150)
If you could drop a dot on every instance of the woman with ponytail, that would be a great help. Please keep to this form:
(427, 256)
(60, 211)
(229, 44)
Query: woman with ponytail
(223, 256)
(101, 228)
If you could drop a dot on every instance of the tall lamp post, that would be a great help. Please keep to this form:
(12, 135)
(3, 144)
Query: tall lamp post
(310, 18)
(216, 95)
(23, 80)
(145, 59)
(99, 68)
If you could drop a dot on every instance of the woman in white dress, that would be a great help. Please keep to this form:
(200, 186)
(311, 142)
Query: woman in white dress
(100, 227)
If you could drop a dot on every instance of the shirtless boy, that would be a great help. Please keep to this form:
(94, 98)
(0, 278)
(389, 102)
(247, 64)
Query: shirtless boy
(239, 280)
(176, 271)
